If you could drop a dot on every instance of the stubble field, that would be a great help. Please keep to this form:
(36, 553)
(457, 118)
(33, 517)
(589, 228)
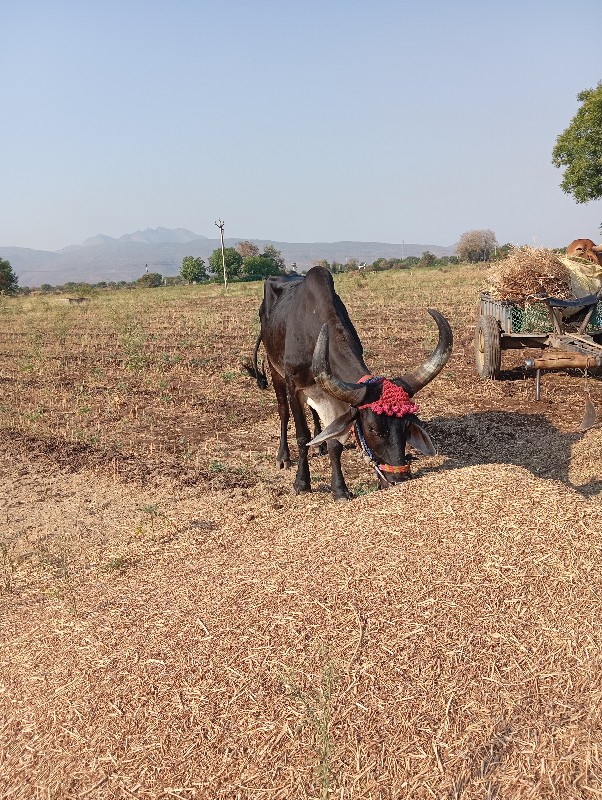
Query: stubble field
(174, 622)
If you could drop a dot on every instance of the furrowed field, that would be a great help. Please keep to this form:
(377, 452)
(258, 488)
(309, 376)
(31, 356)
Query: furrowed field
(174, 622)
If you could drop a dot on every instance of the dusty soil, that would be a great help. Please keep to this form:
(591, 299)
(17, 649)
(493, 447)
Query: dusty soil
(176, 623)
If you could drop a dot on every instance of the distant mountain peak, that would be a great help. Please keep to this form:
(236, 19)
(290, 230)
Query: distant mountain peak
(99, 239)
(149, 236)
(161, 235)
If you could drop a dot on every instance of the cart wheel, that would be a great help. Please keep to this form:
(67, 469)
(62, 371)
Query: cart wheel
(487, 347)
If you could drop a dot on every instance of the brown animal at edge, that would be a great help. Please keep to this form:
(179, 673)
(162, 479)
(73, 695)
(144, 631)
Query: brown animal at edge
(585, 248)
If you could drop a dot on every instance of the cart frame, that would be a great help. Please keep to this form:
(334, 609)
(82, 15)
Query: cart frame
(570, 329)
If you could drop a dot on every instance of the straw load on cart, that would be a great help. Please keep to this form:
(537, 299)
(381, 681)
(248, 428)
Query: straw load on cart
(528, 273)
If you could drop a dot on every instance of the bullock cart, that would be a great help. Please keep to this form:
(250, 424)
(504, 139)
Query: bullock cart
(570, 331)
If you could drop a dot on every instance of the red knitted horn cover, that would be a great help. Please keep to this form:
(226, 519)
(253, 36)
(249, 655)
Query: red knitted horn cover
(394, 401)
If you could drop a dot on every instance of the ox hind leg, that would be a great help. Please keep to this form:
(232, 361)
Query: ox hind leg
(283, 457)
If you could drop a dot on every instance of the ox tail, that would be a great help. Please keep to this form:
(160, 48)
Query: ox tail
(252, 367)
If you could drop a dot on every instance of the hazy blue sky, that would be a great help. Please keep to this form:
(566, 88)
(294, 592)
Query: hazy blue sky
(319, 120)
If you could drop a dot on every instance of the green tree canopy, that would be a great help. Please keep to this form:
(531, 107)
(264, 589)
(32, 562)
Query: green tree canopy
(259, 267)
(8, 280)
(427, 259)
(233, 261)
(579, 149)
(193, 269)
(74, 287)
(150, 280)
(275, 256)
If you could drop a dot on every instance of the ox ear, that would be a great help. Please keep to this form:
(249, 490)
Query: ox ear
(337, 428)
(419, 439)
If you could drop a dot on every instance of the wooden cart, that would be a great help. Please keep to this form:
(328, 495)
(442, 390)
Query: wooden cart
(570, 330)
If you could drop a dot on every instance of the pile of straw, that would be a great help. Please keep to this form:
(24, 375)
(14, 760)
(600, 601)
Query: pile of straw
(440, 639)
(529, 271)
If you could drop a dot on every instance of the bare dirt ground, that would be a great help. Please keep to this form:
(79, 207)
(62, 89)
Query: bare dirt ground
(174, 622)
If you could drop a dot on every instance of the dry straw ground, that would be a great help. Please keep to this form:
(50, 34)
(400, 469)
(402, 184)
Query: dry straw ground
(176, 623)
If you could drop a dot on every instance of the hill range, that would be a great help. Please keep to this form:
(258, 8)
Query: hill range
(162, 250)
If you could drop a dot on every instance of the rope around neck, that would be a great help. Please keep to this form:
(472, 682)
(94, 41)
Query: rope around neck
(370, 458)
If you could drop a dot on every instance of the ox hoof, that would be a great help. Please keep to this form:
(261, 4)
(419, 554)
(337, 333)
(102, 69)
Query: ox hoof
(286, 464)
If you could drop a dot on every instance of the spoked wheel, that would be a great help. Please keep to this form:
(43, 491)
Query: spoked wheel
(487, 347)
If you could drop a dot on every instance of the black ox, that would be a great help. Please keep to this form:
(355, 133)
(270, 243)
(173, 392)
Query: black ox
(315, 356)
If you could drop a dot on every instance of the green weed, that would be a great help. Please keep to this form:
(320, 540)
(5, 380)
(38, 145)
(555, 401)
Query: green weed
(117, 564)
(317, 704)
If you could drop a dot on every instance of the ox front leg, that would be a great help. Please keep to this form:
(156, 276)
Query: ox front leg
(283, 457)
(322, 448)
(338, 485)
(302, 479)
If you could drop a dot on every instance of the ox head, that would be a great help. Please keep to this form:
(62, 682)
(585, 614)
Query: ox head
(380, 411)
(587, 249)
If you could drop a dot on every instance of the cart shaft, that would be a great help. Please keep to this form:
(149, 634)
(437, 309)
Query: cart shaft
(565, 361)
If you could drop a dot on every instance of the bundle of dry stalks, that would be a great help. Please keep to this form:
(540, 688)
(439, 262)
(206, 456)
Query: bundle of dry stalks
(529, 271)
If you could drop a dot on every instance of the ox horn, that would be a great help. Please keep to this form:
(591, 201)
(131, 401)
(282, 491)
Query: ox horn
(597, 249)
(352, 393)
(418, 378)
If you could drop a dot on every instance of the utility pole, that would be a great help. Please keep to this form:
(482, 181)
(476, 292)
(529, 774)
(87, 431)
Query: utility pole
(220, 224)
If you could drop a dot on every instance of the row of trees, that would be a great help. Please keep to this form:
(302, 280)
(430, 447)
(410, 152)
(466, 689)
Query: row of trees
(243, 262)
(148, 280)
(427, 259)
(474, 246)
